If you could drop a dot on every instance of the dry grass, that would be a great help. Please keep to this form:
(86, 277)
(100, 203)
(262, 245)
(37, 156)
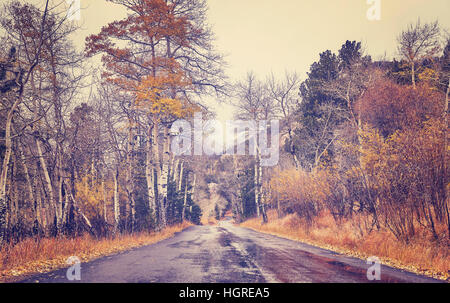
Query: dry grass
(422, 255)
(33, 256)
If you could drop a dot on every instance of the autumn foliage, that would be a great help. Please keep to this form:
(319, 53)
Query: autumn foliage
(395, 172)
(390, 107)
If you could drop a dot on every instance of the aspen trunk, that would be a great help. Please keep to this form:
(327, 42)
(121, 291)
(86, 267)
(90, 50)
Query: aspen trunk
(162, 188)
(171, 165)
(278, 202)
(14, 193)
(445, 133)
(116, 200)
(31, 195)
(175, 171)
(47, 180)
(261, 199)
(59, 205)
(236, 201)
(256, 184)
(180, 181)
(157, 170)
(149, 172)
(42, 211)
(129, 177)
(193, 187)
(183, 212)
(65, 214)
(79, 211)
(104, 197)
(5, 166)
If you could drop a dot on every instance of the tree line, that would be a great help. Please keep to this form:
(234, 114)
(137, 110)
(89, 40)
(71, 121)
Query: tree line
(361, 138)
(74, 162)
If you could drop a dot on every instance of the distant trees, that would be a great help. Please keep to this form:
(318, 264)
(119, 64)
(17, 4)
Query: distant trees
(417, 43)
(255, 103)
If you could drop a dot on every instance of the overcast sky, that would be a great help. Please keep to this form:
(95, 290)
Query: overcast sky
(277, 35)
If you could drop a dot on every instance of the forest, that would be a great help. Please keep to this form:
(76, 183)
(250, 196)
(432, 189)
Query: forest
(86, 150)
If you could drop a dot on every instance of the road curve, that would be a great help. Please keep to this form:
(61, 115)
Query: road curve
(227, 253)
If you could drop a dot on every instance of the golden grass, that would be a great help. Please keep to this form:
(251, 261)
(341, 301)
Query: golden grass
(33, 256)
(422, 255)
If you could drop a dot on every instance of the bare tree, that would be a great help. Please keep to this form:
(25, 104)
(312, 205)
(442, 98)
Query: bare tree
(21, 80)
(285, 94)
(253, 102)
(419, 42)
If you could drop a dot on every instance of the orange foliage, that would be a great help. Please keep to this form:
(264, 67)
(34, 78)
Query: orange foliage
(389, 107)
(299, 191)
(150, 96)
(151, 22)
(408, 175)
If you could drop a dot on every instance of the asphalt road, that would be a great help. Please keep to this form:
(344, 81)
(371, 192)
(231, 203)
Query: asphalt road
(227, 253)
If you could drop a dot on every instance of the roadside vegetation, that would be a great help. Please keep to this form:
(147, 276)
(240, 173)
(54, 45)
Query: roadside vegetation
(365, 166)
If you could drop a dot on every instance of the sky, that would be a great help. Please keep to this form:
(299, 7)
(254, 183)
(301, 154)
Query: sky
(274, 36)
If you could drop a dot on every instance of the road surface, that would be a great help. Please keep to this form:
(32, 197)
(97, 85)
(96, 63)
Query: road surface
(227, 253)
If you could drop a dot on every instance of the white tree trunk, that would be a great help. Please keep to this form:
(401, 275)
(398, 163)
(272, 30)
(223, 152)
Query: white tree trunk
(162, 184)
(256, 183)
(30, 186)
(180, 181)
(116, 200)
(47, 180)
(149, 172)
(175, 171)
(105, 198)
(129, 176)
(65, 215)
(59, 210)
(193, 187)
(5, 167)
(183, 212)
(444, 158)
(157, 170)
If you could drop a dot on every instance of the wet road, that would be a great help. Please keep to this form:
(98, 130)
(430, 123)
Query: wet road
(227, 253)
